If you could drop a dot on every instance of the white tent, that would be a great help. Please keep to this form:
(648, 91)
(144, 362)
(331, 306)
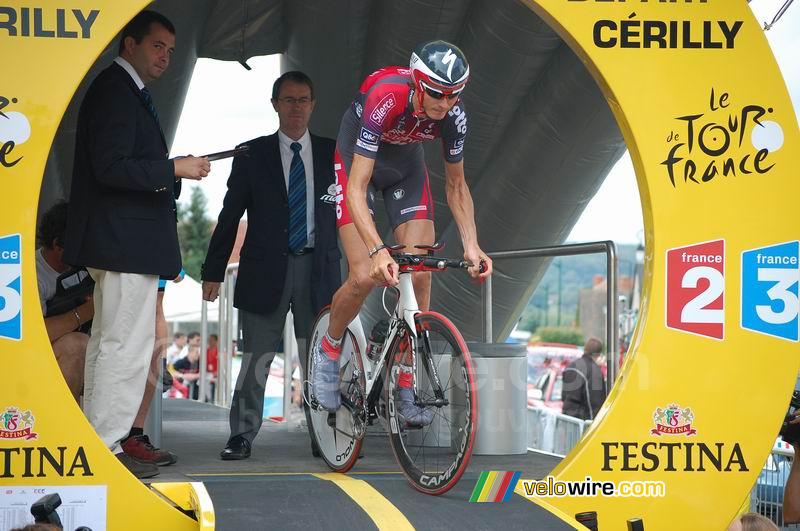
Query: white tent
(183, 300)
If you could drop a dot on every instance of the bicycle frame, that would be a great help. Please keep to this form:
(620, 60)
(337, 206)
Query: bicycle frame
(407, 308)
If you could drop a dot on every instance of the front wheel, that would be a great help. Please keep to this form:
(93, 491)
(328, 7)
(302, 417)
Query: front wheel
(434, 457)
(338, 435)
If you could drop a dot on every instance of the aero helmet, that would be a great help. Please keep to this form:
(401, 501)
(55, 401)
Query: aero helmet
(438, 67)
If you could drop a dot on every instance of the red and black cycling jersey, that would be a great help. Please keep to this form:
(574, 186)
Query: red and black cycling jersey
(385, 110)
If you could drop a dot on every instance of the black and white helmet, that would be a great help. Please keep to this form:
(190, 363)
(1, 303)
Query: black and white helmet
(439, 68)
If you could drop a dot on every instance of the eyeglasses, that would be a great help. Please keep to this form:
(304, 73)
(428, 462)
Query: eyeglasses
(296, 101)
(438, 94)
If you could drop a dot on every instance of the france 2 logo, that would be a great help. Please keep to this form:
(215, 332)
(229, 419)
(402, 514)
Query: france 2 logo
(11, 287)
(695, 298)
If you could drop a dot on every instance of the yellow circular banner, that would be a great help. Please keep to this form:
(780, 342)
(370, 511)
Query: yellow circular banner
(714, 141)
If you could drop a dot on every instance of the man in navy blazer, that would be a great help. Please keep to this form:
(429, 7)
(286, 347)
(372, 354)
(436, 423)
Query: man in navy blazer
(121, 225)
(290, 256)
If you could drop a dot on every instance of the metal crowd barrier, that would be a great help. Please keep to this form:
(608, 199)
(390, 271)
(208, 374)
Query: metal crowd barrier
(612, 321)
(553, 433)
(767, 495)
(227, 349)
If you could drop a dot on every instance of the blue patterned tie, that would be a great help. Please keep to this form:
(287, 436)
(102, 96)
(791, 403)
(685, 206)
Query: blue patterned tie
(148, 99)
(297, 201)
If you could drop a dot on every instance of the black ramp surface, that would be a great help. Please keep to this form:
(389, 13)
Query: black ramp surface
(293, 502)
(454, 511)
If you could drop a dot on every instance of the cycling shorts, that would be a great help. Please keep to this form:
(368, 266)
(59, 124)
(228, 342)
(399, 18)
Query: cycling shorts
(399, 174)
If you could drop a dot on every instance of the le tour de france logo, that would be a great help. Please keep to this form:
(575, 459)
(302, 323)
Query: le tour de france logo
(728, 140)
(15, 130)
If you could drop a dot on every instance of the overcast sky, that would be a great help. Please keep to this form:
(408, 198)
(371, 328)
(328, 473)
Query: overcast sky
(247, 113)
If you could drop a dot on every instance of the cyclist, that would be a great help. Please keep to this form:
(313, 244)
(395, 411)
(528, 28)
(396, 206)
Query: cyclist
(379, 151)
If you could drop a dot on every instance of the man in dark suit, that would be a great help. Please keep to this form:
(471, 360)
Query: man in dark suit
(290, 256)
(121, 225)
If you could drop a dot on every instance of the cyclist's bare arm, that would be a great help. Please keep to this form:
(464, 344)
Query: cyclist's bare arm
(383, 267)
(459, 200)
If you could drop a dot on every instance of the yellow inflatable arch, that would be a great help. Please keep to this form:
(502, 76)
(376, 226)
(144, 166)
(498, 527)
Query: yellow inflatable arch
(714, 140)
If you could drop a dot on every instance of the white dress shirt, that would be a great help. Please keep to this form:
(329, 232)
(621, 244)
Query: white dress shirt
(285, 144)
(130, 70)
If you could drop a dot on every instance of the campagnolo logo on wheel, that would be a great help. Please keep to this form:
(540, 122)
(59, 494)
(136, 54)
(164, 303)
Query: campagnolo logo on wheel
(727, 139)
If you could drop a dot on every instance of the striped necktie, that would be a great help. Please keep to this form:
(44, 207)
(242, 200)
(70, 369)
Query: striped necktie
(148, 100)
(298, 236)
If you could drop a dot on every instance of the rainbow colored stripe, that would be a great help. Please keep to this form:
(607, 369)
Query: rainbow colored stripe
(495, 486)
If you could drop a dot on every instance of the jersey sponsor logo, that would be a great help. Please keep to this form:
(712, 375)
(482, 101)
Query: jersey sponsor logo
(398, 194)
(456, 151)
(369, 147)
(461, 119)
(338, 189)
(458, 143)
(770, 278)
(420, 208)
(367, 136)
(381, 110)
(695, 289)
(11, 287)
(359, 109)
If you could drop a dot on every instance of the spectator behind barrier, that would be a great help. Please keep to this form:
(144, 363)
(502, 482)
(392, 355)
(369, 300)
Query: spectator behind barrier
(752, 522)
(175, 349)
(188, 367)
(791, 434)
(584, 387)
(69, 344)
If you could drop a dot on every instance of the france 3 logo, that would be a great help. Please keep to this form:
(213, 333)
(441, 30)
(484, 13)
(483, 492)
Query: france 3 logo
(11, 287)
(770, 278)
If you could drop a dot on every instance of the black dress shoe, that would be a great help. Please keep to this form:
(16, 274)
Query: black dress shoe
(237, 448)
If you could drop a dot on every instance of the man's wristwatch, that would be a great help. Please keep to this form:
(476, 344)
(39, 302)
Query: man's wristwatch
(374, 250)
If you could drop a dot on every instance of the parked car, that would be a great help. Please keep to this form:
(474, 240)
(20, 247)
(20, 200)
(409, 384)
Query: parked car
(546, 361)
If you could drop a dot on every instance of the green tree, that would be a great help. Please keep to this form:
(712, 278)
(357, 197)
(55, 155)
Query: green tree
(562, 334)
(194, 232)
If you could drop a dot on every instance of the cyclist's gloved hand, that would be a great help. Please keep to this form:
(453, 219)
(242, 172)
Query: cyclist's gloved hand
(383, 268)
(476, 256)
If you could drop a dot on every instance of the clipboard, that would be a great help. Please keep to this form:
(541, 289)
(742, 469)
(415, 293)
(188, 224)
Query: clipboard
(241, 150)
